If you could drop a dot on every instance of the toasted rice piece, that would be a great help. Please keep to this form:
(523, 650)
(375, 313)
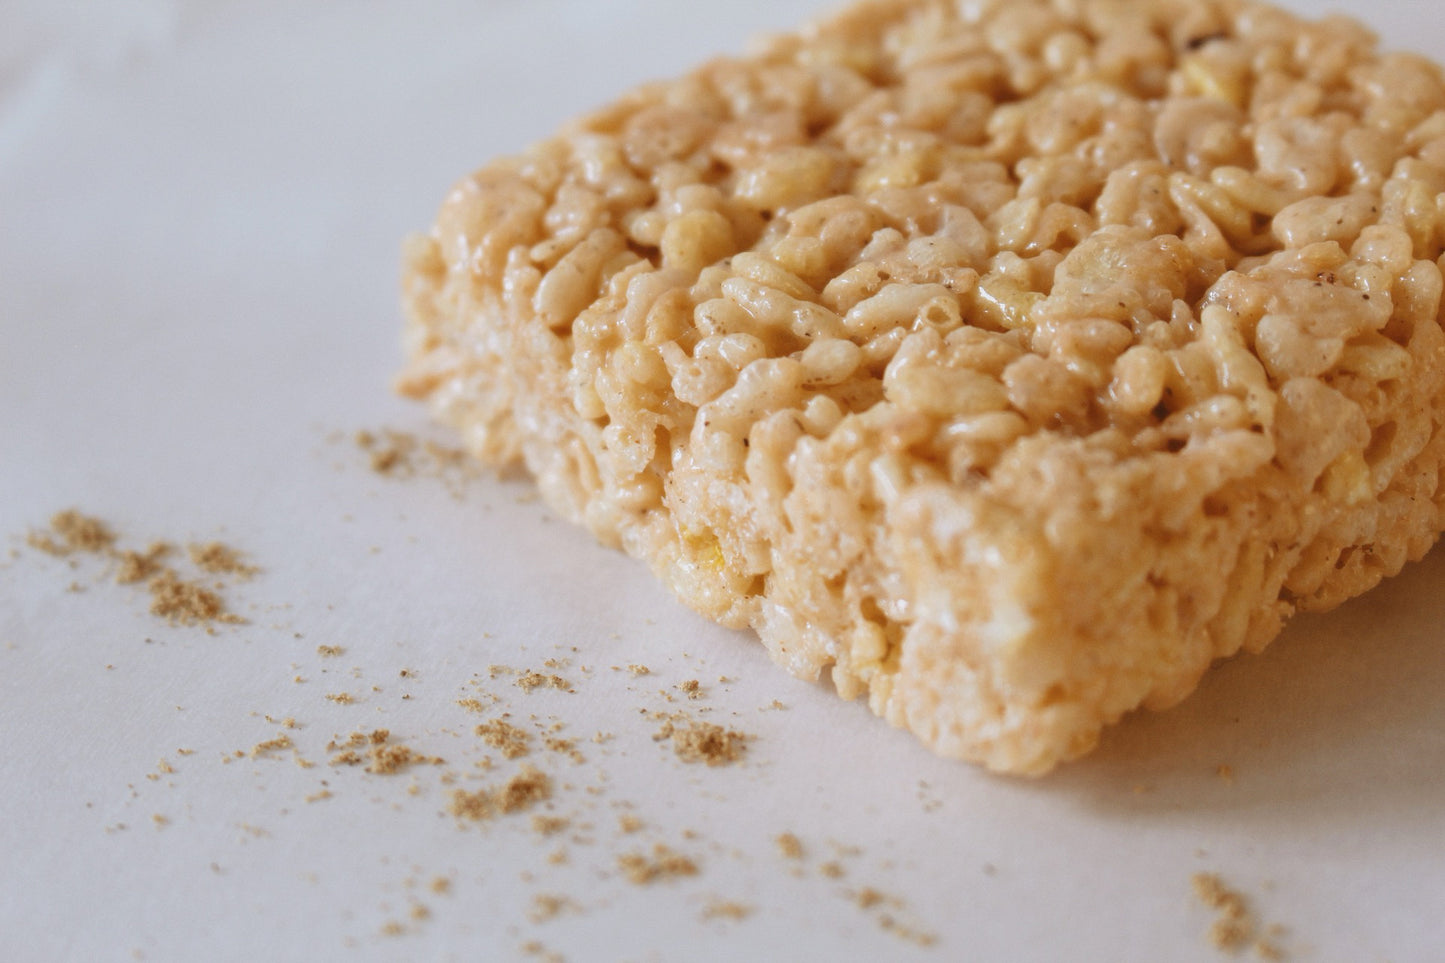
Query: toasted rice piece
(1012, 363)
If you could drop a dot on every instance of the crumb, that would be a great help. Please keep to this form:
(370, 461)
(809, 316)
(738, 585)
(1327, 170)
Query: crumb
(790, 846)
(546, 907)
(141, 566)
(868, 897)
(187, 603)
(639, 669)
(1233, 927)
(381, 755)
(502, 735)
(160, 820)
(329, 651)
(692, 687)
(281, 742)
(530, 680)
(628, 823)
(694, 741)
(549, 825)
(726, 909)
(521, 792)
(319, 795)
(440, 885)
(340, 698)
(832, 869)
(665, 863)
(76, 533)
(219, 559)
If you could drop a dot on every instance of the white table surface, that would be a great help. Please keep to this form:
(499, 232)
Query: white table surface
(200, 212)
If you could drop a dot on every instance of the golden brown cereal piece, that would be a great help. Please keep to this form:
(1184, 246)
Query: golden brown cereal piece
(1011, 362)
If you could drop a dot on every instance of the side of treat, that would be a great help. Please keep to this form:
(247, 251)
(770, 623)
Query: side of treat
(1012, 366)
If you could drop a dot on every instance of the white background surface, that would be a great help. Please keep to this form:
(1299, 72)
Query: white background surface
(200, 213)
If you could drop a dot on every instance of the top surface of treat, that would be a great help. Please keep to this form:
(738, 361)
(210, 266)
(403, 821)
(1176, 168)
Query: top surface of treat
(1021, 212)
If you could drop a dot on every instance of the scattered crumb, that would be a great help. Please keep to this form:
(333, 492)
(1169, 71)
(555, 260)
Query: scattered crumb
(329, 651)
(549, 825)
(832, 870)
(70, 531)
(141, 566)
(379, 754)
(790, 846)
(1234, 925)
(868, 897)
(726, 910)
(628, 823)
(187, 603)
(639, 669)
(219, 559)
(440, 885)
(523, 791)
(277, 744)
(692, 687)
(546, 906)
(340, 698)
(530, 680)
(502, 735)
(695, 741)
(665, 863)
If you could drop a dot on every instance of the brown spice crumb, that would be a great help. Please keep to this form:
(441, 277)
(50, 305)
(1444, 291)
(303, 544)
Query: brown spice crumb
(539, 950)
(160, 820)
(329, 651)
(566, 747)
(1233, 927)
(440, 885)
(340, 698)
(790, 846)
(187, 603)
(319, 795)
(695, 741)
(502, 735)
(141, 566)
(388, 759)
(282, 741)
(522, 791)
(381, 755)
(666, 863)
(868, 897)
(392, 928)
(692, 687)
(219, 559)
(530, 680)
(549, 825)
(639, 669)
(76, 533)
(629, 823)
(726, 909)
(832, 870)
(546, 906)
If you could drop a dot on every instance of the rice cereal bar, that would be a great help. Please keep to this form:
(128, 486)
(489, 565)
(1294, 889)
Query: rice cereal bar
(1010, 361)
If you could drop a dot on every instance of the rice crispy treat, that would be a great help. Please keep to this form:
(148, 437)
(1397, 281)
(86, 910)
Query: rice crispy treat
(1011, 361)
